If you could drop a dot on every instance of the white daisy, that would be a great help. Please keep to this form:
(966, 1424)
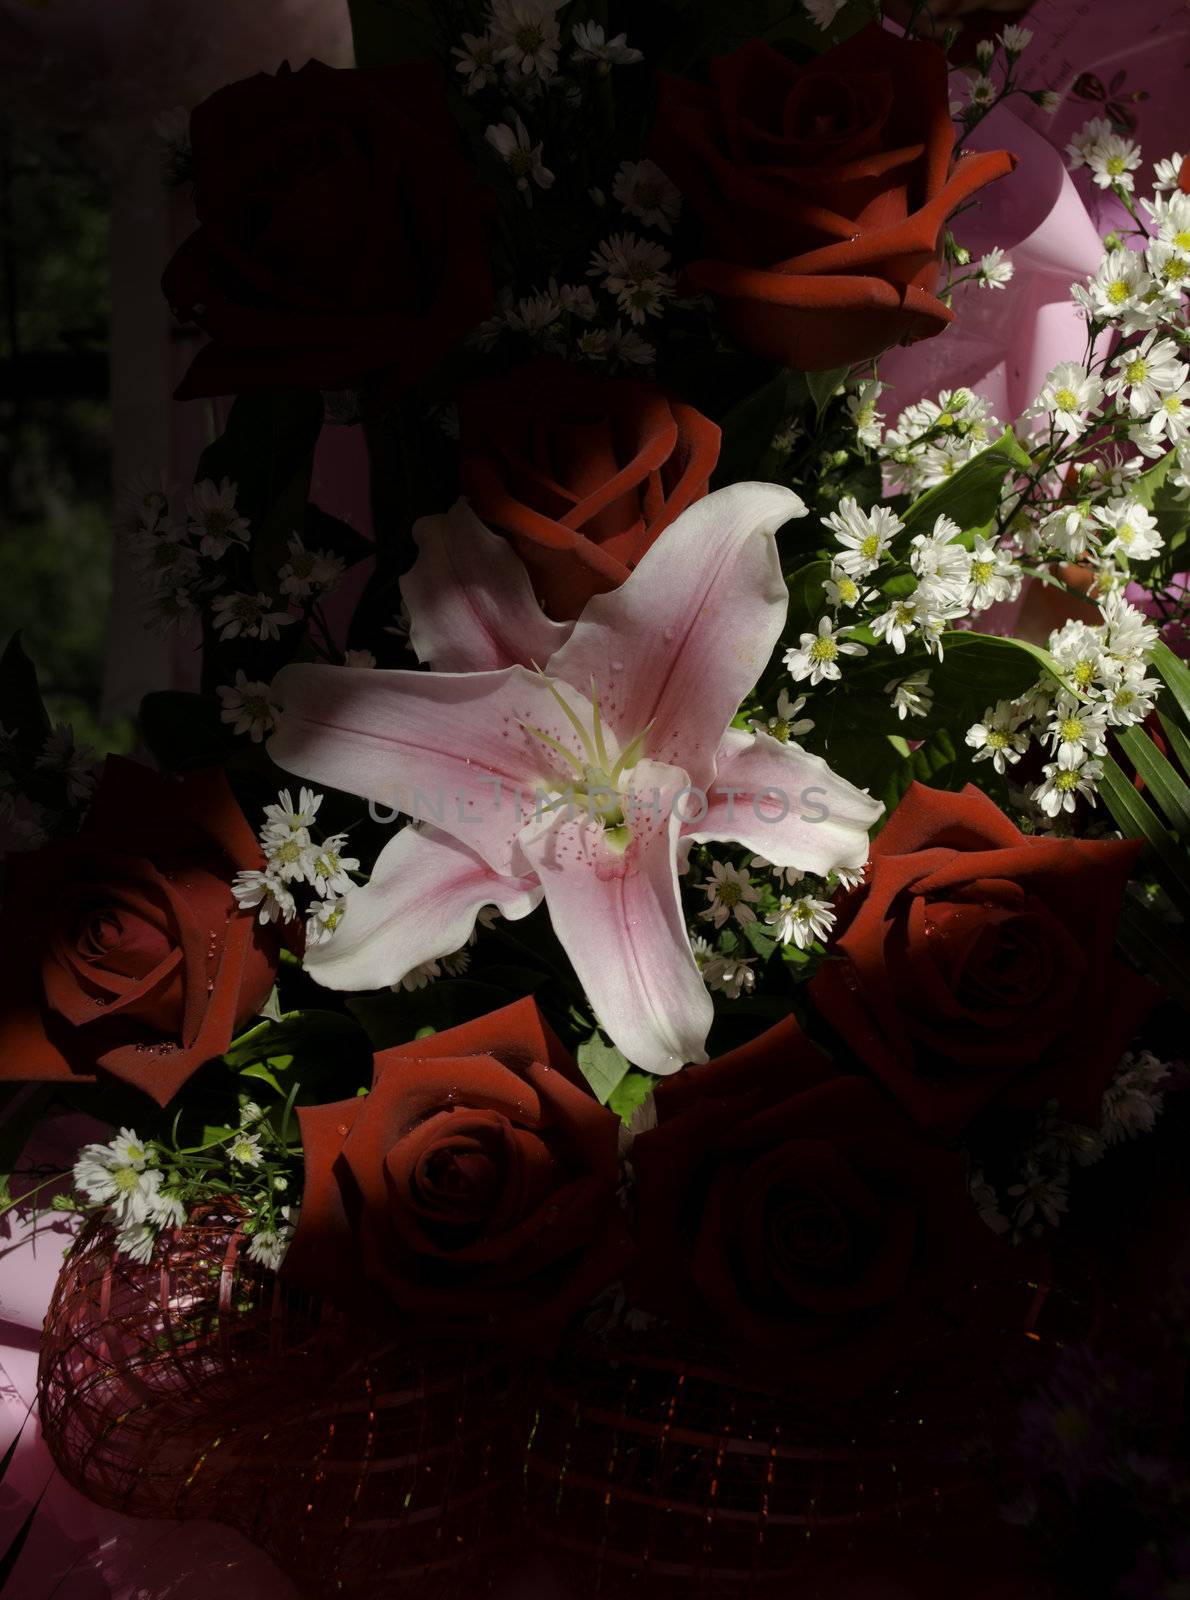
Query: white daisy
(1076, 729)
(647, 194)
(864, 535)
(861, 408)
(911, 696)
(1068, 395)
(1063, 784)
(817, 654)
(1112, 160)
(786, 725)
(1131, 530)
(476, 61)
(309, 572)
(729, 975)
(590, 44)
(249, 706)
(635, 271)
(247, 615)
(252, 888)
(995, 270)
(1142, 375)
(801, 921)
(526, 36)
(212, 518)
(999, 737)
(521, 156)
(992, 576)
(731, 894)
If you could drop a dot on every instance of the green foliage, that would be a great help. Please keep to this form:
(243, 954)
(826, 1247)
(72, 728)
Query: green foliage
(972, 496)
(391, 1018)
(1153, 490)
(313, 1055)
(630, 1093)
(603, 1066)
(1161, 815)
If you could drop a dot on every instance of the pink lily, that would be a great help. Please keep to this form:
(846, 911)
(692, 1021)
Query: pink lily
(584, 779)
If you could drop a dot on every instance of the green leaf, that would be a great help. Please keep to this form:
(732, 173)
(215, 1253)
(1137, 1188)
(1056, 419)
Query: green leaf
(603, 1066)
(1172, 514)
(972, 496)
(1175, 674)
(1178, 742)
(395, 1018)
(1136, 819)
(807, 599)
(822, 386)
(748, 428)
(313, 1049)
(1168, 790)
(760, 939)
(1157, 948)
(633, 1089)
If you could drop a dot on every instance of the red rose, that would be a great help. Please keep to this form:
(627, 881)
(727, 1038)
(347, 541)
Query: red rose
(581, 472)
(823, 191)
(475, 1183)
(805, 1212)
(122, 950)
(977, 963)
(341, 235)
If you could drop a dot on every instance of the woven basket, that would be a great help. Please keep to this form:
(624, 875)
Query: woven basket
(662, 1472)
(199, 1386)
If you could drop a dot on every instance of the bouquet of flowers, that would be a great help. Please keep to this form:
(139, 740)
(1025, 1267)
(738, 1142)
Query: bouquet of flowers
(637, 1012)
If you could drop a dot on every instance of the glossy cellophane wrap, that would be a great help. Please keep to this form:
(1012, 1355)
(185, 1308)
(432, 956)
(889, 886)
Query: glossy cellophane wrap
(365, 1461)
(374, 1461)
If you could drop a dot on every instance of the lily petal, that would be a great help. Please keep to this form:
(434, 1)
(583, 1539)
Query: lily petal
(687, 634)
(449, 748)
(471, 605)
(421, 903)
(785, 804)
(619, 917)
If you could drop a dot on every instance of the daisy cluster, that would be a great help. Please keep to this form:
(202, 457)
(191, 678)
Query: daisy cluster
(930, 440)
(894, 588)
(1103, 683)
(145, 1186)
(296, 861)
(759, 908)
(538, 74)
(990, 79)
(1033, 1190)
(191, 555)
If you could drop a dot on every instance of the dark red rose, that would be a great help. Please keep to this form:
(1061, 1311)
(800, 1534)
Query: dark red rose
(580, 472)
(122, 950)
(823, 191)
(976, 964)
(341, 237)
(813, 1221)
(475, 1184)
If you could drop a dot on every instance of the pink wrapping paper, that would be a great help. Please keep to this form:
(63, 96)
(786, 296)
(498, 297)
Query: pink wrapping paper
(1003, 342)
